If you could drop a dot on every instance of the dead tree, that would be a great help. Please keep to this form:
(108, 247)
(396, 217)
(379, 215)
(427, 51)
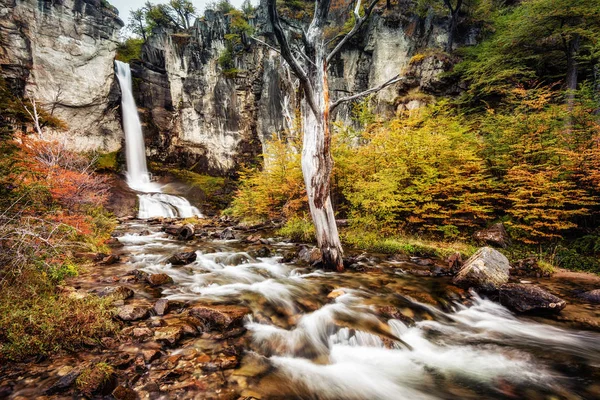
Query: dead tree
(309, 62)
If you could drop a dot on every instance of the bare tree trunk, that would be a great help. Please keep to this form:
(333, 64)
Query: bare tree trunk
(317, 162)
(453, 22)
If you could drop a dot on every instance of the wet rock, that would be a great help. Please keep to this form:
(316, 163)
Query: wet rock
(487, 269)
(495, 235)
(110, 259)
(593, 296)
(159, 279)
(150, 355)
(123, 393)
(263, 251)
(132, 313)
(169, 335)
(65, 382)
(182, 258)
(161, 307)
(98, 379)
(529, 298)
(310, 255)
(253, 238)
(116, 292)
(220, 317)
(114, 243)
(288, 257)
(334, 294)
(142, 332)
(227, 234)
(140, 275)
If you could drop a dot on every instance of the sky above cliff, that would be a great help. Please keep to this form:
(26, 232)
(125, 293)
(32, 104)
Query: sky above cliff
(125, 6)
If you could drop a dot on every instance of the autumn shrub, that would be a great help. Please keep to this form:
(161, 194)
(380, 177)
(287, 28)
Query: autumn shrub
(274, 192)
(51, 209)
(299, 229)
(541, 152)
(416, 173)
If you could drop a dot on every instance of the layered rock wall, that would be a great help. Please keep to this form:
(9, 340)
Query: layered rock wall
(203, 118)
(61, 53)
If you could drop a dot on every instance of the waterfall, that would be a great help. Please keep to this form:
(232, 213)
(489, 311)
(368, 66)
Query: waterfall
(152, 202)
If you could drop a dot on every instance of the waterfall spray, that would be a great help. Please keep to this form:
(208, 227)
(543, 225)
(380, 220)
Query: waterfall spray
(152, 202)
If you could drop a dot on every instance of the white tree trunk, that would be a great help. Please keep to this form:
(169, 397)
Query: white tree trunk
(317, 163)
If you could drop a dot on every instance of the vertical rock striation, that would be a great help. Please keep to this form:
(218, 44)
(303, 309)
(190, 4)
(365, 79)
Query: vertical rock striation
(61, 53)
(200, 117)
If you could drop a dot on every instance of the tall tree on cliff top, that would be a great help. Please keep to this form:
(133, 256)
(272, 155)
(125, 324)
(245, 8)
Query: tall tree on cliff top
(309, 60)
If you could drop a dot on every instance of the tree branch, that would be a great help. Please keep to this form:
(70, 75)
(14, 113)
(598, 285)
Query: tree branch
(375, 89)
(265, 44)
(358, 23)
(287, 55)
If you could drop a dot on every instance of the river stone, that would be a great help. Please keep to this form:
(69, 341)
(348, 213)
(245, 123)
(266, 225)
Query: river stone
(116, 292)
(310, 255)
(169, 335)
(132, 313)
(161, 307)
(159, 279)
(65, 381)
(593, 296)
(529, 298)
(182, 258)
(487, 269)
(220, 317)
(495, 235)
(227, 234)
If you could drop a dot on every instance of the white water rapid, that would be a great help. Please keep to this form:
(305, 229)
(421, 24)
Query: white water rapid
(152, 202)
(336, 346)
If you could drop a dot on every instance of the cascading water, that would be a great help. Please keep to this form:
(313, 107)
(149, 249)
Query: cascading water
(152, 203)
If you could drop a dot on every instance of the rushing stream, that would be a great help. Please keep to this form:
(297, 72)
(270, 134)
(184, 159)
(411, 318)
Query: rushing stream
(324, 337)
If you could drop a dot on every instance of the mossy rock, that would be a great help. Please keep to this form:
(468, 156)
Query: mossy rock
(99, 378)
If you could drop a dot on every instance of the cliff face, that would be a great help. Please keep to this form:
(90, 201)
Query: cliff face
(200, 118)
(60, 53)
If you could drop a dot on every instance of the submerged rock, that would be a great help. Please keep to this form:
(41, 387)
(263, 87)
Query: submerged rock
(495, 235)
(529, 298)
(487, 269)
(183, 258)
(132, 313)
(593, 296)
(159, 279)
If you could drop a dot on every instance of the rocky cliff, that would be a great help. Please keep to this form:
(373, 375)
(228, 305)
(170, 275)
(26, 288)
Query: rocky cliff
(201, 117)
(60, 53)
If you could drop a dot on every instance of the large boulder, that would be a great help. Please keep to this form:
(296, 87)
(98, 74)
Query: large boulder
(495, 235)
(487, 269)
(528, 298)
